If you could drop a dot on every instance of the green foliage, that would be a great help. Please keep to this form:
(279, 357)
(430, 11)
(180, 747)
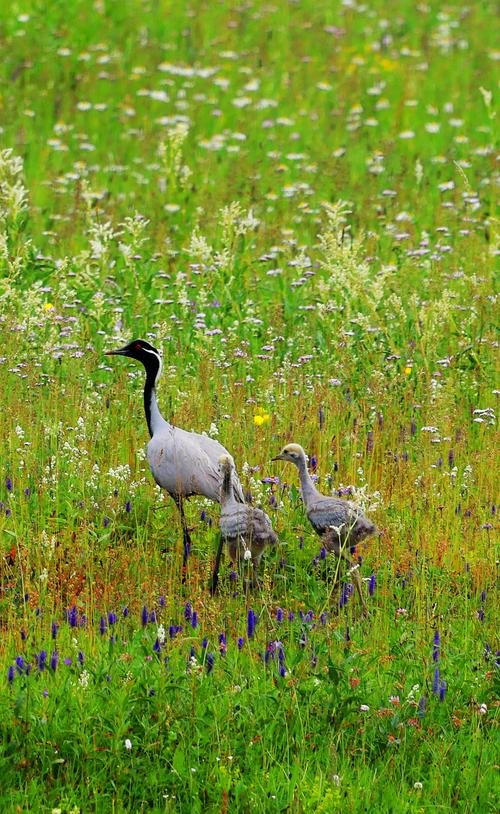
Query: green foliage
(296, 203)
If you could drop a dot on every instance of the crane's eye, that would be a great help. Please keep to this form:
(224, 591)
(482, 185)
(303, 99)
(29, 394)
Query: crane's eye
(138, 346)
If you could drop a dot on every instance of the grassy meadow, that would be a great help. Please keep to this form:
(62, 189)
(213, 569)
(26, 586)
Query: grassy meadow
(294, 201)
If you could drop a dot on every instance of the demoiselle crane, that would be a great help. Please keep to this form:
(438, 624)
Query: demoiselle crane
(183, 463)
(340, 523)
(246, 530)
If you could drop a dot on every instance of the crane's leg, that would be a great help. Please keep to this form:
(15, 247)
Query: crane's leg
(338, 549)
(186, 538)
(215, 576)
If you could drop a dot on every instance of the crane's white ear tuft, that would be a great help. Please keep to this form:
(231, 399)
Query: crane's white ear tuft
(225, 461)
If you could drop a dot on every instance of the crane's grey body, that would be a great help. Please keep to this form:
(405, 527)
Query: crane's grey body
(246, 530)
(186, 463)
(183, 463)
(340, 523)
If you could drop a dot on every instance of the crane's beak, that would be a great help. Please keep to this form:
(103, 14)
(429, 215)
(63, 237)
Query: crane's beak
(279, 457)
(117, 352)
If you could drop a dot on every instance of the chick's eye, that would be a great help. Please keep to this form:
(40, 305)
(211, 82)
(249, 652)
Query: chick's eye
(138, 346)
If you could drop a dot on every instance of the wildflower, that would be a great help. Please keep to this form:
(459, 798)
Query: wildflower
(81, 657)
(128, 507)
(72, 617)
(422, 704)
(144, 616)
(261, 417)
(210, 663)
(442, 690)
(111, 618)
(282, 671)
(418, 785)
(8, 484)
(188, 612)
(251, 624)
(436, 681)
(54, 660)
(125, 612)
(364, 708)
(204, 644)
(194, 620)
(157, 646)
(436, 647)
(24, 635)
(408, 369)
(152, 616)
(128, 744)
(241, 642)
(483, 709)
(102, 626)
(42, 660)
(10, 674)
(371, 585)
(68, 662)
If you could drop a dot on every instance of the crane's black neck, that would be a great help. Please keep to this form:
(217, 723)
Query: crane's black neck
(153, 415)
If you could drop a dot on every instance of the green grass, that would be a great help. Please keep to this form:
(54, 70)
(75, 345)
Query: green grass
(296, 202)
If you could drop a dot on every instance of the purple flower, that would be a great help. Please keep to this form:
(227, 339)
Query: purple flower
(68, 662)
(112, 618)
(11, 674)
(210, 662)
(323, 618)
(279, 615)
(24, 635)
(480, 614)
(162, 601)
(152, 616)
(72, 617)
(27, 491)
(204, 644)
(8, 483)
(282, 671)
(436, 681)
(194, 620)
(222, 644)
(241, 642)
(54, 630)
(102, 626)
(188, 612)
(442, 690)
(483, 596)
(105, 522)
(144, 616)
(81, 657)
(45, 693)
(251, 621)
(436, 647)
(203, 516)
(371, 585)
(128, 507)
(314, 463)
(422, 704)
(126, 612)
(157, 646)
(322, 553)
(291, 616)
(53, 661)
(42, 660)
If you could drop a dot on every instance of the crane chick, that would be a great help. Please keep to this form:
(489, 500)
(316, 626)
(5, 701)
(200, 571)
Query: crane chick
(245, 529)
(340, 523)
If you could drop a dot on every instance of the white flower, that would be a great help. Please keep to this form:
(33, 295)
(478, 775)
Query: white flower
(364, 708)
(128, 744)
(418, 785)
(483, 709)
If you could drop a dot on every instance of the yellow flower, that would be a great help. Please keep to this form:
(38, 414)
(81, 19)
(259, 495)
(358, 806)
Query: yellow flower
(48, 306)
(408, 370)
(261, 418)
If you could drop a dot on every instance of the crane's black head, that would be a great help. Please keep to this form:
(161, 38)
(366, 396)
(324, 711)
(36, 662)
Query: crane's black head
(142, 351)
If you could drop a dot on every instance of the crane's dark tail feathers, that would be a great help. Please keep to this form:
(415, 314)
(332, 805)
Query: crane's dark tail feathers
(215, 576)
